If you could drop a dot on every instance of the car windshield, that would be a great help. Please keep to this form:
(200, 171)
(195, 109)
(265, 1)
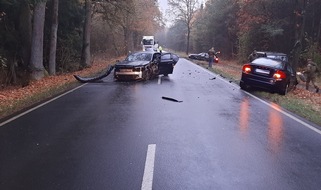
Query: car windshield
(269, 63)
(148, 42)
(166, 56)
(139, 57)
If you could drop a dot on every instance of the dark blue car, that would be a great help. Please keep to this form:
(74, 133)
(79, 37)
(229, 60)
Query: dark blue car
(275, 75)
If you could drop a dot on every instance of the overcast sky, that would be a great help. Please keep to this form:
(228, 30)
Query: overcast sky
(163, 5)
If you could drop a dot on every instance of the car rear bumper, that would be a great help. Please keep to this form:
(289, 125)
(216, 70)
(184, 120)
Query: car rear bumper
(266, 83)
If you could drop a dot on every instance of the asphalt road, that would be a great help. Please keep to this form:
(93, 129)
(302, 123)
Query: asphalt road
(124, 135)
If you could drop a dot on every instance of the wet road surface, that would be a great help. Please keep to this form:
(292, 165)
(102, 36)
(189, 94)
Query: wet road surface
(125, 135)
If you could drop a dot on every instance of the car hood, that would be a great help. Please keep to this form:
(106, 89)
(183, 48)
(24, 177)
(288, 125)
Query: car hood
(131, 63)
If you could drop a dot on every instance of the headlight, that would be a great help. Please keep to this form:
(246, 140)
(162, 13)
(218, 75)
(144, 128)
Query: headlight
(137, 69)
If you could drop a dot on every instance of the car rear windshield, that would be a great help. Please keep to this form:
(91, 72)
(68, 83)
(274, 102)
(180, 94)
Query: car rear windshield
(269, 63)
(280, 57)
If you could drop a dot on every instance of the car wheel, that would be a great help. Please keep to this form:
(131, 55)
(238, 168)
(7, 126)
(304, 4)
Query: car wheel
(147, 74)
(243, 86)
(284, 91)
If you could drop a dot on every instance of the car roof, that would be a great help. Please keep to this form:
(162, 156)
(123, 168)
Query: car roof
(271, 53)
(274, 55)
(150, 52)
(269, 62)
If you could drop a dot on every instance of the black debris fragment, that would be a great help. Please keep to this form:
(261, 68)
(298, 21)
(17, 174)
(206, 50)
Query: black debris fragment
(171, 99)
(213, 78)
(97, 78)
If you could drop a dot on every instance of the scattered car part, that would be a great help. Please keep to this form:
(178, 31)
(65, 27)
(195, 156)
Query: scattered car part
(171, 99)
(92, 79)
(301, 76)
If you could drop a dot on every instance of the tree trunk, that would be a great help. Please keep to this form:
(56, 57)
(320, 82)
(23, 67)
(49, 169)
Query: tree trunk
(36, 59)
(53, 38)
(85, 55)
(12, 77)
(319, 32)
(114, 40)
(126, 39)
(25, 32)
(299, 31)
(188, 37)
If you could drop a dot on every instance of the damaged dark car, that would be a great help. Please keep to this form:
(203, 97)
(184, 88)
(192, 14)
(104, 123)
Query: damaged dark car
(145, 65)
(139, 66)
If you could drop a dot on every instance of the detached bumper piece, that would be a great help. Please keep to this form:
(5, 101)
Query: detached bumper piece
(92, 79)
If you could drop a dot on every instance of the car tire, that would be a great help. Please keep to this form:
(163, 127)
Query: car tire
(147, 75)
(243, 86)
(284, 91)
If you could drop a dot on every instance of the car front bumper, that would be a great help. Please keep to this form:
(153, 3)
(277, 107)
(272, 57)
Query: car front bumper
(128, 75)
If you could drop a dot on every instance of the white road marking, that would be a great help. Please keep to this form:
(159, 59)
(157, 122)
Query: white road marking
(34, 108)
(147, 183)
(266, 103)
(287, 114)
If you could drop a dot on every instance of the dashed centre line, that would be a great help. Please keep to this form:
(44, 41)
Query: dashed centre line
(147, 183)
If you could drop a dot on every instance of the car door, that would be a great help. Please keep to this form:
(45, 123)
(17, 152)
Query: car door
(167, 63)
(292, 76)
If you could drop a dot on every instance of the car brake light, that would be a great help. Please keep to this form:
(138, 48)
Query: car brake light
(279, 75)
(246, 68)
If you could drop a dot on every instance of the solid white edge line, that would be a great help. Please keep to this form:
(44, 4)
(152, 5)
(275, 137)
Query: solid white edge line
(40, 105)
(147, 183)
(266, 103)
(287, 114)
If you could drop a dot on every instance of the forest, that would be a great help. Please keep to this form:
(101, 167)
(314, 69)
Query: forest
(50, 37)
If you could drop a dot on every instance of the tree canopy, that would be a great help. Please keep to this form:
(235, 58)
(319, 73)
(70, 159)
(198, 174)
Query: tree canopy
(28, 45)
(235, 27)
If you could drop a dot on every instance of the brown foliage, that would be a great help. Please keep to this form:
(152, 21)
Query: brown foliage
(251, 13)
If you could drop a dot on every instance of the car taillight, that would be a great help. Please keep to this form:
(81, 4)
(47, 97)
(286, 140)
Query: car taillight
(279, 75)
(246, 68)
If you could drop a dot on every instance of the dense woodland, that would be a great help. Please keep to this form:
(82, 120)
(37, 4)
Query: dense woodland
(49, 37)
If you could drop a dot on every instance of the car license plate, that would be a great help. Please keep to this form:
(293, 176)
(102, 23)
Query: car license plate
(126, 70)
(262, 71)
